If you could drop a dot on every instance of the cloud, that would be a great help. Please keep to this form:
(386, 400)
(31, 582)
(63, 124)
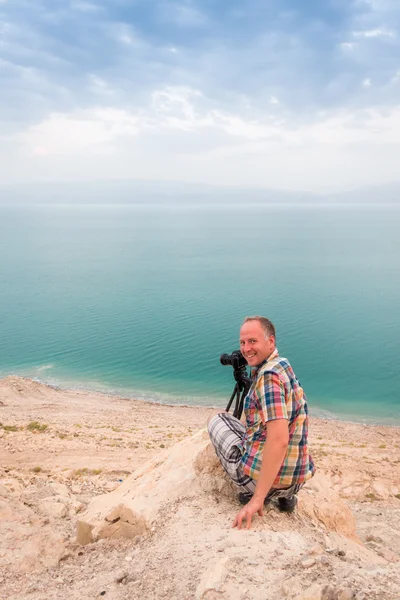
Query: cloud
(375, 33)
(367, 82)
(174, 110)
(177, 137)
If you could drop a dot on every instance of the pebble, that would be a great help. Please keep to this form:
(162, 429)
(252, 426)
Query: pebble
(308, 562)
(121, 576)
(374, 538)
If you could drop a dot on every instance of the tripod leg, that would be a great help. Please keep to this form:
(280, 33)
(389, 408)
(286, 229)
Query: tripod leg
(240, 408)
(237, 412)
(234, 393)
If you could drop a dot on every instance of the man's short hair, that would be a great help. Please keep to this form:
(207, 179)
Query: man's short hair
(265, 323)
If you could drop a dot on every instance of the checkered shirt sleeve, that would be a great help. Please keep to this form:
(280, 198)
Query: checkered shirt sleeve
(270, 394)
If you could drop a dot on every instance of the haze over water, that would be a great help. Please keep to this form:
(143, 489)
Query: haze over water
(142, 300)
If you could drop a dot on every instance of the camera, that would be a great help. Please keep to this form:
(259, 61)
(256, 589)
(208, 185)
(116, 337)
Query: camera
(235, 360)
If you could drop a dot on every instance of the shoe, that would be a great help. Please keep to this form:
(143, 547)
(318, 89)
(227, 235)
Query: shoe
(245, 498)
(287, 504)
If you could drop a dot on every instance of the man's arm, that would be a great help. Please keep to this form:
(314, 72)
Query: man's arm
(273, 455)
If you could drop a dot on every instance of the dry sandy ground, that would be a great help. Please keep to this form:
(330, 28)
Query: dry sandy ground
(60, 448)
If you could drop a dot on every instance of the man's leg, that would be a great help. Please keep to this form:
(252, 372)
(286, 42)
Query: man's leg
(226, 434)
(287, 499)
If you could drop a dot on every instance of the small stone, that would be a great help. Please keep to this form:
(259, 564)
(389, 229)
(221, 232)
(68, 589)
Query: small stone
(374, 538)
(128, 558)
(121, 576)
(308, 562)
(341, 553)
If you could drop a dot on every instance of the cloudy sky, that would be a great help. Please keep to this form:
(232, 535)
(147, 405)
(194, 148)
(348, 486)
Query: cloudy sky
(289, 94)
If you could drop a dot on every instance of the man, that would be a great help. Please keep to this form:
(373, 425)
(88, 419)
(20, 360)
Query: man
(268, 458)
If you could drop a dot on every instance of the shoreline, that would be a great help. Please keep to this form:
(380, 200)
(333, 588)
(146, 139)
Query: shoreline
(314, 413)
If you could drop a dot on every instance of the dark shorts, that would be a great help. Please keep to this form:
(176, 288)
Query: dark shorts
(226, 434)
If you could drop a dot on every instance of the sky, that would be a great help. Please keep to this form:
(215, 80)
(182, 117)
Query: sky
(283, 94)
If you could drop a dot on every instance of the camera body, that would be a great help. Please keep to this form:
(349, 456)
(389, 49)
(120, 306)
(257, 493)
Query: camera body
(235, 360)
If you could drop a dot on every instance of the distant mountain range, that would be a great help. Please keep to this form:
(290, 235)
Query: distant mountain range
(166, 192)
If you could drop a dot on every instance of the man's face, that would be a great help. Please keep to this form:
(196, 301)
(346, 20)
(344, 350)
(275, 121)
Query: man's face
(254, 346)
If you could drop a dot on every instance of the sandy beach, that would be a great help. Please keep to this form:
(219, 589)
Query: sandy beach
(61, 448)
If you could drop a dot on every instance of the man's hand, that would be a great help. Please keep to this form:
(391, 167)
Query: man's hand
(248, 511)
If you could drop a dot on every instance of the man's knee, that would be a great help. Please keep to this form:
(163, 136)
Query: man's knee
(214, 414)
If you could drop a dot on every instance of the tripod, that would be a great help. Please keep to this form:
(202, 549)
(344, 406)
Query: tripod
(240, 390)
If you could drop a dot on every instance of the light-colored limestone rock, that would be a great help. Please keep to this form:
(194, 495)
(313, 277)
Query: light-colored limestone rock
(380, 490)
(323, 504)
(212, 580)
(58, 510)
(354, 549)
(135, 505)
(59, 489)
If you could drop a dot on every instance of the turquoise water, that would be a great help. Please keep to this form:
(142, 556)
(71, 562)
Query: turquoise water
(142, 300)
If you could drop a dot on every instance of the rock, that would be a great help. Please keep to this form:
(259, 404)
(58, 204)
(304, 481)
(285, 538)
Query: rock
(59, 489)
(212, 580)
(121, 576)
(57, 510)
(308, 562)
(380, 490)
(353, 550)
(210, 475)
(12, 485)
(374, 538)
(136, 504)
(326, 507)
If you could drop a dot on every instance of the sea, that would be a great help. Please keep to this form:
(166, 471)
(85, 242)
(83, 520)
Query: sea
(141, 300)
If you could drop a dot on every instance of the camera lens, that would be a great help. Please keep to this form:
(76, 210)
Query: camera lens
(225, 359)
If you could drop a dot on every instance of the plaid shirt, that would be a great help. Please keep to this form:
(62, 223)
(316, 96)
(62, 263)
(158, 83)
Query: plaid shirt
(275, 393)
